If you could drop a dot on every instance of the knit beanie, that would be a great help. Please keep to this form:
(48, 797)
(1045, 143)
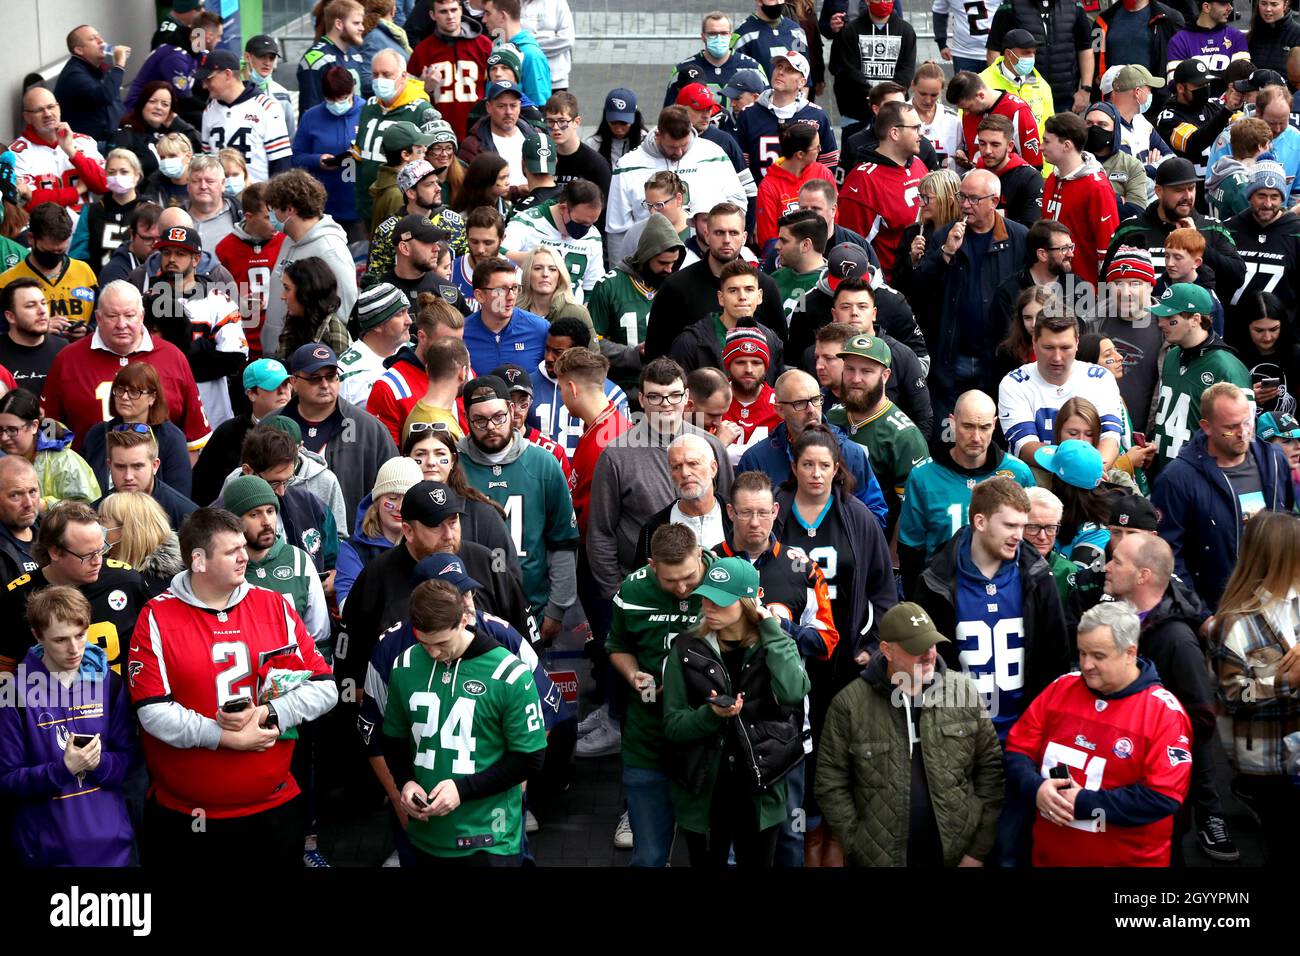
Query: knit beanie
(248, 492)
(1131, 262)
(396, 476)
(745, 341)
(1266, 175)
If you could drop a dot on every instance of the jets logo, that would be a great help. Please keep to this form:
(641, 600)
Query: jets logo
(543, 151)
(1207, 378)
(438, 496)
(720, 575)
(474, 687)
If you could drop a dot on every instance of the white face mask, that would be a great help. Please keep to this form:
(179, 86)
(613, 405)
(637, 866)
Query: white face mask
(384, 88)
(234, 185)
(121, 184)
(171, 166)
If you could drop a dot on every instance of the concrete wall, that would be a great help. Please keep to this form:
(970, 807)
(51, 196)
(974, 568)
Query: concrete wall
(35, 31)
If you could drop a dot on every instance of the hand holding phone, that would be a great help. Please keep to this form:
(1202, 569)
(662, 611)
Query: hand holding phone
(1140, 439)
(237, 706)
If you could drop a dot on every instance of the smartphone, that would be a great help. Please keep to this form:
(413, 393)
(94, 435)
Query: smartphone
(1140, 439)
(1060, 772)
(82, 740)
(237, 706)
(1270, 382)
(334, 161)
(419, 801)
(722, 700)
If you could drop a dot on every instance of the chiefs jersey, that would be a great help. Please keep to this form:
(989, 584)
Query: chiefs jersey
(1140, 738)
(879, 200)
(1024, 128)
(199, 659)
(250, 262)
(52, 175)
(254, 125)
(758, 418)
(116, 599)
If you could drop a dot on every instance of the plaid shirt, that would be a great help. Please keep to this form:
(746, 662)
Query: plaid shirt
(332, 332)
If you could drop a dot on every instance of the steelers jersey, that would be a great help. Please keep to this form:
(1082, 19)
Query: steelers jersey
(116, 599)
(254, 125)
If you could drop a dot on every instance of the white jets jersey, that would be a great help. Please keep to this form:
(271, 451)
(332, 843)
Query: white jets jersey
(584, 259)
(254, 125)
(944, 134)
(1027, 404)
(38, 166)
(968, 25)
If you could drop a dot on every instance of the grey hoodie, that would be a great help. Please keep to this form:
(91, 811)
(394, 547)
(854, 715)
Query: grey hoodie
(312, 473)
(179, 726)
(326, 240)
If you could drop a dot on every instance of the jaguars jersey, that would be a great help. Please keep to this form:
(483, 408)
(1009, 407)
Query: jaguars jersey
(936, 497)
(584, 259)
(461, 719)
(116, 599)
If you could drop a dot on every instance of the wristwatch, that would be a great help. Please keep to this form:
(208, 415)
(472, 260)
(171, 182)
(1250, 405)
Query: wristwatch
(272, 718)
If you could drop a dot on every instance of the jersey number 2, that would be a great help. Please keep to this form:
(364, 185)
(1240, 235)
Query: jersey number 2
(457, 732)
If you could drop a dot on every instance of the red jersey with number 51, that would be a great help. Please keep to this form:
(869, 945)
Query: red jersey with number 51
(200, 659)
(1139, 738)
(460, 72)
(880, 199)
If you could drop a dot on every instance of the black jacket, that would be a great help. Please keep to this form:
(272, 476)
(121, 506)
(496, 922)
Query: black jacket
(1022, 194)
(1270, 45)
(689, 295)
(1222, 271)
(15, 556)
(697, 347)
(126, 137)
(893, 317)
(661, 517)
(906, 387)
(864, 141)
(220, 456)
(1164, 23)
(177, 506)
(1047, 649)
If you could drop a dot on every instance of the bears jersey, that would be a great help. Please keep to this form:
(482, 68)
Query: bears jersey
(250, 262)
(116, 600)
(254, 125)
(1106, 743)
(968, 25)
(879, 201)
(1027, 403)
(936, 497)
(69, 295)
(461, 722)
(584, 259)
(1024, 127)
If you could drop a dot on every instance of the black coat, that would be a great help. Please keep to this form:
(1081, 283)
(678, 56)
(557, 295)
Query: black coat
(660, 518)
(697, 347)
(691, 294)
(1270, 45)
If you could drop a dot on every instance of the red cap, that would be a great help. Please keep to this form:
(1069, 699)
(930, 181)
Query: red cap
(698, 97)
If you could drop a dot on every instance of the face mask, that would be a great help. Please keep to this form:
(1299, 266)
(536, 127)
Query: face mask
(576, 230)
(717, 46)
(171, 167)
(881, 10)
(121, 185)
(258, 80)
(339, 107)
(384, 88)
(234, 185)
(46, 260)
(772, 10)
(276, 222)
(1145, 104)
(1200, 97)
(1024, 66)
(1100, 141)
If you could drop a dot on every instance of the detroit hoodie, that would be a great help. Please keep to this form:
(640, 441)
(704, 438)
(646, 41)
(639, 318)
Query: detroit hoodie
(1085, 202)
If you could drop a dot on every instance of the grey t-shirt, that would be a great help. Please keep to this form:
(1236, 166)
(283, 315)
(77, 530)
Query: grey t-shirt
(1246, 485)
(1139, 343)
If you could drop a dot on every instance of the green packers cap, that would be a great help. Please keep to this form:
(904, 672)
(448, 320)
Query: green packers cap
(909, 626)
(867, 346)
(729, 580)
(1184, 297)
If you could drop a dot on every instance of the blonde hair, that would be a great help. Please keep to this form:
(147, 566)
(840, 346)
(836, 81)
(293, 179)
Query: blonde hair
(563, 288)
(748, 614)
(174, 143)
(232, 156)
(945, 185)
(128, 157)
(144, 525)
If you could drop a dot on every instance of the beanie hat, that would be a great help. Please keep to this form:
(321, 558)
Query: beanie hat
(1131, 262)
(248, 492)
(509, 56)
(745, 341)
(396, 476)
(379, 303)
(285, 424)
(1266, 175)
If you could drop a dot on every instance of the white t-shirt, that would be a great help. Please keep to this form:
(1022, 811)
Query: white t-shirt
(511, 149)
(708, 528)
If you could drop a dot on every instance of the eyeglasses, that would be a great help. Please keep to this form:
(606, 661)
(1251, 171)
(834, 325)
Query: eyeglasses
(910, 125)
(660, 399)
(655, 206)
(801, 404)
(127, 391)
(278, 486)
(924, 199)
(417, 428)
(559, 125)
(1066, 248)
(93, 556)
(504, 289)
(962, 198)
(331, 376)
(138, 427)
(496, 421)
(752, 515)
(1034, 530)
(12, 431)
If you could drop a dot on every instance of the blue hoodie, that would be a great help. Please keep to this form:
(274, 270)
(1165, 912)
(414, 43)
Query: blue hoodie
(536, 79)
(61, 820)
(355, 553)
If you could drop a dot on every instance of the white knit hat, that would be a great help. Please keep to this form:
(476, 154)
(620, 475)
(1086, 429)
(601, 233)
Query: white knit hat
(395, 476)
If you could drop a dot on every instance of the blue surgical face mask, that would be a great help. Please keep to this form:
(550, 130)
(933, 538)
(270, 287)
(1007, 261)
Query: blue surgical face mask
(717, 46)
(260, 81)
(276, 222)
(171, 167)
(1146, 104)
(384, 88)
(1024, 66)
(339, 107)
(234, 185)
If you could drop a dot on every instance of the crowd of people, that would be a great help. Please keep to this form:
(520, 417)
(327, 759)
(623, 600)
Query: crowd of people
(925, 485)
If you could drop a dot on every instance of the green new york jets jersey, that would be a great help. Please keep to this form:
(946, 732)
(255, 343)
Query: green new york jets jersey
(936, 498)
(1178, 415)
(794, 286)
(461, 719)
(539, 509)
(369, 144)
(583, 258)
(619, 305)
(646, 621)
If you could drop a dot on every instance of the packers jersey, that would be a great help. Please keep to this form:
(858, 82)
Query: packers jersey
(254, 125)
(894, 445)
(584, 259)
(116, 599)
(461, 719)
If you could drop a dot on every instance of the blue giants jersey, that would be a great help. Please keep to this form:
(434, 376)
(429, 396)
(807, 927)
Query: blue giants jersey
(990, 636)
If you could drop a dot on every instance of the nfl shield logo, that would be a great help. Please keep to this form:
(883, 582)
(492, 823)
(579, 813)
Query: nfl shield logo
(1100, 705)
(970, 482)
(991, 589)
(496, 469)
(684, 605)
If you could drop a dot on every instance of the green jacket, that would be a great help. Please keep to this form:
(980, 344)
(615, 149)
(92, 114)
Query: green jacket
(61, 473)
(386, 197)
(864, 768)
(693, 730)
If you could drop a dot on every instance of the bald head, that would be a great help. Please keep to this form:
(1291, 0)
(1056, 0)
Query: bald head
(974, 403)
(793, 381)
(174, 216)
(41, 110)
(982, 182)
(1152, 552)
(15, 467)
(801, 388)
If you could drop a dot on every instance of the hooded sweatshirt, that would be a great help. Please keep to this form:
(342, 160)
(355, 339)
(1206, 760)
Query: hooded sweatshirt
(1128, 177)
(327, 241)
(759, 127)
(1085, 202)
(466, 55)
(1225, 188)
(778, 194)
(61, 473)
(1022, 190)
(864, 54)
(536, 79)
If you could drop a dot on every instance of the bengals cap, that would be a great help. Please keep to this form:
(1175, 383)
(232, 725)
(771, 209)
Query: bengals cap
(180, 237)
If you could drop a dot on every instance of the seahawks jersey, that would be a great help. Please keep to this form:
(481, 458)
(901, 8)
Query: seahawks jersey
(1182, 380)
(461, 719)
(584, 259)
(893, 443)
(254, 125)
(936, 497)
(535, 495)
(1027, 403)
(794, 288)
(116, 599)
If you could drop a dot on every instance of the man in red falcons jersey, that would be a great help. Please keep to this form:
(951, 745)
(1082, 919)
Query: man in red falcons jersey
(1104, 756)
(881, 196)
(452, 61)
(236, 670)
(249, 253)
(975, 99)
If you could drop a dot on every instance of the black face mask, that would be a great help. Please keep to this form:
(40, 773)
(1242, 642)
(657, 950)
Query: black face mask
(772, 10)
(1200, 97)
(1100, 141)
(46, 260)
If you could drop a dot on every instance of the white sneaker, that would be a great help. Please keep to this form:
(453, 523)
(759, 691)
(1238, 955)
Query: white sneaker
(623, 833)
(593, 720)
(530, 822)
(604, 740)
(392, 860)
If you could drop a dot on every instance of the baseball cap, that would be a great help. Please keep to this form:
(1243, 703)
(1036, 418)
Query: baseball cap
(745, 341)
(1266, 174)
(312, 357)
(262, 45)
(214, 62)
(1183, 297)
(867, 346)
(379, 303)
(265, 373)
(506, 55)
(698, 97)
(431, 503)
(1130, 262)
(181, 237)
(404, 135)
(539, 155)
(500, 87)
(419, 228)
(1257, 80)
(620, 106)
(845, 261)
(1195, 72)
(1176, 171)
(412, 173)
(516, 377)
(1272, 425)
(283, 423)
(910, 627)
(744, 81)
(797, 60)
(1134, 512)
(1019, 40)
(442, 566)
(1075, 462)
(729, 580)
(186, 6)
(247, 492)
(494, 382)
(1132, 76)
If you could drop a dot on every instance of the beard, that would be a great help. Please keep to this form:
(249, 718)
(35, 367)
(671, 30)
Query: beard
(859, 401)
(746, 390)
(492, 443)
